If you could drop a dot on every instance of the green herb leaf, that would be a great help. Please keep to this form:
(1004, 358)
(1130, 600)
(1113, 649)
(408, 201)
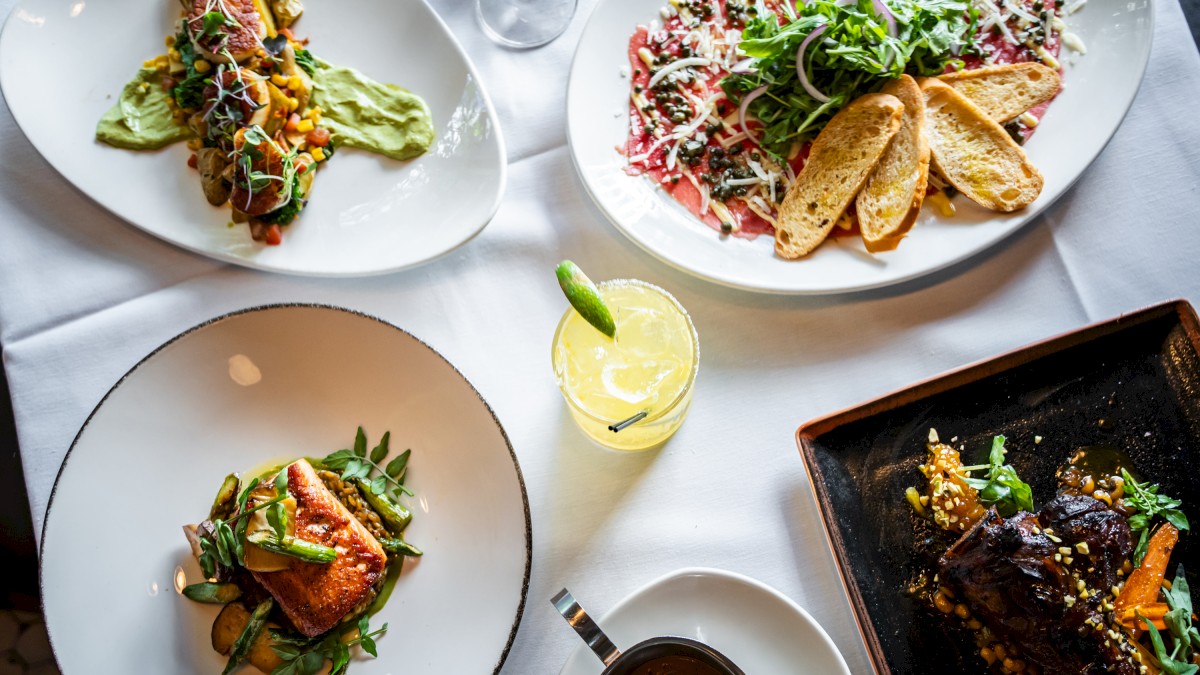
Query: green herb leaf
(380, 451)
(1145, 499)
(1002, 487)
(275, 45)
(214, 22)
(379, 485)
(397, 466)
(360, 443)
(306, 61)
(277, 518)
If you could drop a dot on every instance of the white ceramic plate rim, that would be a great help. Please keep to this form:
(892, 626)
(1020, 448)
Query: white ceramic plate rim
(750, 283)
(622, 606)
(512, 635)
(490, 211)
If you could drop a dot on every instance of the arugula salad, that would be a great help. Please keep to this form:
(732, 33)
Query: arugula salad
(300, 557)
(1079, 585)
(727, 96)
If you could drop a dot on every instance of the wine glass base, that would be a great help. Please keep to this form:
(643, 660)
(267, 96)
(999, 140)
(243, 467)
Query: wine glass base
(524, 24)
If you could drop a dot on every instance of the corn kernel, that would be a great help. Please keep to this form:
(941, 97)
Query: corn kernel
(173, 54)
(195, 144)
(318, 154)
(294, 83)
(169, 40)
(305, 126)
(279, 80)
(148, 63)
(293, 104)
(202, 66)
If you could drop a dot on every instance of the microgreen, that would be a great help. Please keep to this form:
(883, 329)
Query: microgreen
(302, 656)
(1002, 487)
(357, 463)
(1145, 500)
(214, 22)
(275, 45)
(1185, 636)
(854, 55)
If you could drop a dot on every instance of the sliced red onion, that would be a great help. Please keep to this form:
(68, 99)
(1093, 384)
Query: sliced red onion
(746, 106)
(812, 91)
(743, 66)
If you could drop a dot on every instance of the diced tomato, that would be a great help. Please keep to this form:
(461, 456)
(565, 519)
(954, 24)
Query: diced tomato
(318, 137)
(292, 123)
(192, 161)
(274, 236)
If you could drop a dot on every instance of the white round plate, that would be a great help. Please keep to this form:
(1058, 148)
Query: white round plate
(1098, 91)
(152, 454)
(368, 214)
(756, 626)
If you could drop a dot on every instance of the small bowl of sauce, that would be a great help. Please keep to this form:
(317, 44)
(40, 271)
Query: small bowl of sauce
(665, 655)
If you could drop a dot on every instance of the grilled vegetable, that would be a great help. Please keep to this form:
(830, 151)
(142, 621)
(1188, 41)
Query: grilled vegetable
(224, 504)
(214, 594)
(400, 547)
(228, 628)
(254, 628)
(395, 517)
(294, 547)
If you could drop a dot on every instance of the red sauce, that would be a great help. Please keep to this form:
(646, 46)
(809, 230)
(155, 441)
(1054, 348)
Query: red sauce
(650, 156)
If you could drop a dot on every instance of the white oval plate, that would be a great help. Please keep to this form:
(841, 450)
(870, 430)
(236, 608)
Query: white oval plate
(153, 453)
(756, 626)
(1099, 90)
(63, 64)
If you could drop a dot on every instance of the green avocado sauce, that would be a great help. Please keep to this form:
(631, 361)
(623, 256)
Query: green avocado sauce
(368, 115)
(359, 112)
(141, 120)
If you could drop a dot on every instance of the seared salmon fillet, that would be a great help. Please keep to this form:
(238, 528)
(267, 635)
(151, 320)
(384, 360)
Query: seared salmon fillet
(240, 37)
(316, 597)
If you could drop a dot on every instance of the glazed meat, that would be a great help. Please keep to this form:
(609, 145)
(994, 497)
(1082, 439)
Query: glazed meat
(1007, 572)
(316, 597)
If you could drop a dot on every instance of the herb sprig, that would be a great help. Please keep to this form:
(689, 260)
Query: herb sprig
(1144, 498)
(854, 55)
(1002, 487)
(1185, 636)
(307, 657)
(357, 463)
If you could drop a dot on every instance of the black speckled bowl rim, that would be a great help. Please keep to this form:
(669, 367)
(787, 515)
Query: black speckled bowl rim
(512, 634)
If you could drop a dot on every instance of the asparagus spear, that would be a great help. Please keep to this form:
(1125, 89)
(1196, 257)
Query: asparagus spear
(215, 594)
(395, 517)
(292, 546)
(256, 624)
(401, 547)
(225, 503)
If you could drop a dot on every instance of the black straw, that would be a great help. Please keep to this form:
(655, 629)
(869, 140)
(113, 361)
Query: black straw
(624, 423)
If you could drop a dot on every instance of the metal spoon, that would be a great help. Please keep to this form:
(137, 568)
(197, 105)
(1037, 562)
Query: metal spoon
(583, 624)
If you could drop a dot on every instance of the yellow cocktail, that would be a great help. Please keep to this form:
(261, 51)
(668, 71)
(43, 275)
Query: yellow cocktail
(649, 367)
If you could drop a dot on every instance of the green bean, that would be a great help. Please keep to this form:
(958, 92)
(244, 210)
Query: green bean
(394, 516)
(294, 547)
(214, 594)
(256, 624)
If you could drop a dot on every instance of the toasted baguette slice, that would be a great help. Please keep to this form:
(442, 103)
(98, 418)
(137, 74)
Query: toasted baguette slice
(974, 153)
(1004, 92)
(842, 157)
(891, 200)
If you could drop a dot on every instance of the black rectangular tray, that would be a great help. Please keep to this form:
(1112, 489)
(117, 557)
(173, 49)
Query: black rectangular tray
(1131, 382)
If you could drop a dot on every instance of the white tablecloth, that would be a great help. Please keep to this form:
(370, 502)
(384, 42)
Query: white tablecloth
(84, 296)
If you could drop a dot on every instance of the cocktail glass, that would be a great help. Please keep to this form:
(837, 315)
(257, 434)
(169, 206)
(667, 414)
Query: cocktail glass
(649, 367)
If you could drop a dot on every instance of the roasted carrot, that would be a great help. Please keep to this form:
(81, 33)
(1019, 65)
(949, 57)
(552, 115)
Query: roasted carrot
(1146, 581)
(1128, 617)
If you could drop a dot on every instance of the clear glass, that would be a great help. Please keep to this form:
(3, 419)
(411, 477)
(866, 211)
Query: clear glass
(651, 366)
(524, 23)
